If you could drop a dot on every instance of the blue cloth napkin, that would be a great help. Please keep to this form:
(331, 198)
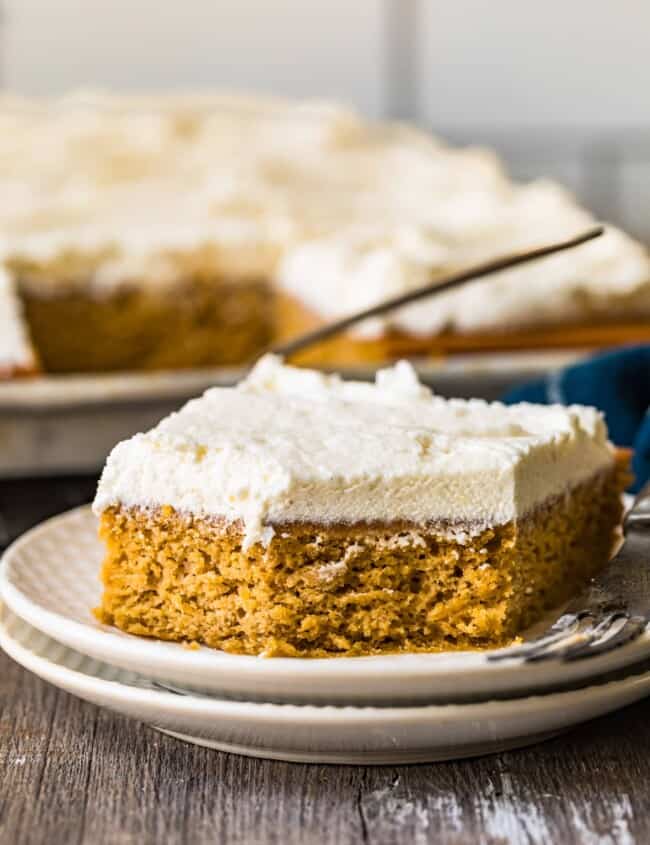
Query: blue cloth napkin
(618, 383)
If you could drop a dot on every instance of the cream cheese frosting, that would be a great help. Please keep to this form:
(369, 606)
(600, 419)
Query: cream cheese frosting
(289, 445)
(143, 176)
(16, 352)
(340, 211)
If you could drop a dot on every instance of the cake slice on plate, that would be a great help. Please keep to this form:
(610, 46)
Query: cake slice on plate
(299, 514)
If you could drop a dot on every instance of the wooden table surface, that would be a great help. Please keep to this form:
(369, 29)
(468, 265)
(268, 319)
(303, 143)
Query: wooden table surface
(70, 772)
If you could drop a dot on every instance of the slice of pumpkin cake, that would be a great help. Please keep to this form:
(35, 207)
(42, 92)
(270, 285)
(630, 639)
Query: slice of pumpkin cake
(299, 514)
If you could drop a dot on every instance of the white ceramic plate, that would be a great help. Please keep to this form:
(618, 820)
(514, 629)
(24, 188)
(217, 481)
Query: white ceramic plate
(306, 733)
(54, 424)
(50, 578)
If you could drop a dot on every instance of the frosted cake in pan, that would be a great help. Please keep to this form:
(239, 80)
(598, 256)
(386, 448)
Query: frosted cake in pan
(158, 232)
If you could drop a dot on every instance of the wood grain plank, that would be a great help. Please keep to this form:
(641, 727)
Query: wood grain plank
(45, 748)
(589, 786)
(167, 791)
(72, 773)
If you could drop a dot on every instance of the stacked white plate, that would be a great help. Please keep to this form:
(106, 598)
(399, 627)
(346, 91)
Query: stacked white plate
(387, 709)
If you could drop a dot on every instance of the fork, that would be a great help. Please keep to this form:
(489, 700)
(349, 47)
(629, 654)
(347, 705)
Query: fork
(612, 610)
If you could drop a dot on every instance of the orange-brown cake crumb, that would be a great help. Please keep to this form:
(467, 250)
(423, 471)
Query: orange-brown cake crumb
(334, 590)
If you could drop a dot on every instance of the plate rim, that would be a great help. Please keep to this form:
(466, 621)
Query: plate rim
(305, 713)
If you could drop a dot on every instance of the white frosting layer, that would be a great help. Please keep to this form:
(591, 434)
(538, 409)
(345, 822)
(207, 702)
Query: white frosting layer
(145, 176)
(15, 349)
(359, 211)
(295, 445)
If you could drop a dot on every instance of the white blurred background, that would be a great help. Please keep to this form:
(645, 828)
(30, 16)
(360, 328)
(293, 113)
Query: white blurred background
(560, 88)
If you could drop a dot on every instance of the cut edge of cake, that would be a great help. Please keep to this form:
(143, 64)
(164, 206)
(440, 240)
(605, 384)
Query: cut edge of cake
(17, 354)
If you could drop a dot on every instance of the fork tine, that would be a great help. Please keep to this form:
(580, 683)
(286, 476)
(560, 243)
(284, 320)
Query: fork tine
(568, 640)
(631, 630)
(565, 627)
(579, 640)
